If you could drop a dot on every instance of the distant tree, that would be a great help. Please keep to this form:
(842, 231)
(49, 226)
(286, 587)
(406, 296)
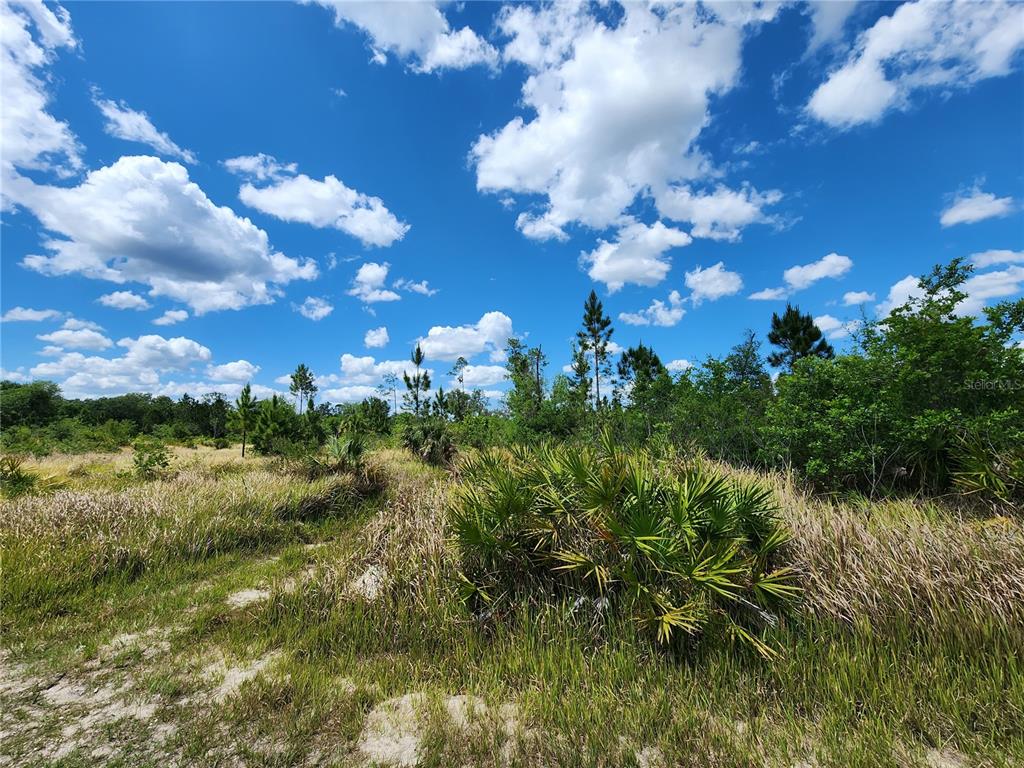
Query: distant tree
(418, 384)
(389, 386)
(217, 410)
(374, 412)
(524, 366)
(28, 404)
(745, 365)
(458, 372)
(462, 404)
(302, 387)
(579, 384)
(275, 425)
(594, 338)
(798, 337)
(244, 415)
(439, 406)
(639, 366)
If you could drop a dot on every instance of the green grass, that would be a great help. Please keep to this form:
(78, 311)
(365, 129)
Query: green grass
(584, 689)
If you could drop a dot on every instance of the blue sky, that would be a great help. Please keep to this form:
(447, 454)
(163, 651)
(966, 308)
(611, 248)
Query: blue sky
(196, 195)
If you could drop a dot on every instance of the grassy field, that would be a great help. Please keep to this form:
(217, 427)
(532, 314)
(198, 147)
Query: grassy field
(238, 613)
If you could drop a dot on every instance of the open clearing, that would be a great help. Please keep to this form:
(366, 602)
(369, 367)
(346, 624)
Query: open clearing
(316, 623)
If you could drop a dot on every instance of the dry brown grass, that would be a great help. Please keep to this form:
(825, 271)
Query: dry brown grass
(57, 543)
(80, 468)
(903, 562)
(401, 549)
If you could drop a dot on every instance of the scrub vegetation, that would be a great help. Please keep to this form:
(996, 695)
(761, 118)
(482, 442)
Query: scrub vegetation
(705, 569)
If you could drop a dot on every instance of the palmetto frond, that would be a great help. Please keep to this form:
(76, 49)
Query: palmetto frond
(682, 550)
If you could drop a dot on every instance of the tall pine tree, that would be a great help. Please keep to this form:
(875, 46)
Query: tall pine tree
(594, 337)
(418, 384)
(797, 337)
(244, 415)
(302, 386)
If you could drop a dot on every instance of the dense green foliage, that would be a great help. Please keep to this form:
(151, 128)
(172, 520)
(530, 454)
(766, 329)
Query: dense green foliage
(797, 337)
(929, 399)
(685, 551)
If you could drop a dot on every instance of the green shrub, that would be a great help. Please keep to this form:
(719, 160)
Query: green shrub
(995, 474)
(430, 440)
(685, 552)
(16, 481)
(151, 458)
(892, 416)
(346, 452)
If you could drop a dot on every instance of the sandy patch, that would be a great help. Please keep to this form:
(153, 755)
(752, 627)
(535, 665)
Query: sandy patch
(232, 678)
(391, 733)
(368, 586)
(945, 758)
(246, 597)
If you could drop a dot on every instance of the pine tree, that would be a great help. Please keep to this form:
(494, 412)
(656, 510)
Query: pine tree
(797, 336)
(244, 415)
(418, 383)
(640, 364)
(525, 367)
(580, 381)
(458, 372)
(594, 338)
(302, 386)
(390, 386)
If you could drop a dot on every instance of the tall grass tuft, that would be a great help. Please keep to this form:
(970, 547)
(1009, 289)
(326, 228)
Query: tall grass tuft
(685, 552)
(56, 548)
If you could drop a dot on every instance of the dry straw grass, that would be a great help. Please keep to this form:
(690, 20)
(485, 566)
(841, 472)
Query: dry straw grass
(907, 562)
(56, 544)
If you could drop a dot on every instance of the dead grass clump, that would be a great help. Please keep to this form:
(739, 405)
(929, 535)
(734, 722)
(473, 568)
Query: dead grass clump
(905, 562)
(59, 544)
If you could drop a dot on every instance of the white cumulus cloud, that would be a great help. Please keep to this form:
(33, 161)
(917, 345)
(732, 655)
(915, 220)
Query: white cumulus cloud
(418, 33)
(835, 328)
(30, 137)
(615, 111)
(139, 369)
(923, 45)
(369, 284)
(993, 257)
(973, 206)
(239, 370)
(376, 337)
(851, 298)
(490, 333)
(24, 314)
(171, 316)
(804, 276)
(123, 122)
(712, 283)
(142, 220)
(637, 255)
(321, 204)
(78, 334)
(659, 313)
(123, 300)
(314, 308)
(482, 375)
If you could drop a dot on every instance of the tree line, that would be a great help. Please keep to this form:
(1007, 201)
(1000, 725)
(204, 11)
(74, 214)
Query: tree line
(926, 400)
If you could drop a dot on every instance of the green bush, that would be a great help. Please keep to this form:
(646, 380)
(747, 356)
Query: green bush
(893, 417)
(151, 458)
(684, 551)
(430, 440)
(16, 481)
